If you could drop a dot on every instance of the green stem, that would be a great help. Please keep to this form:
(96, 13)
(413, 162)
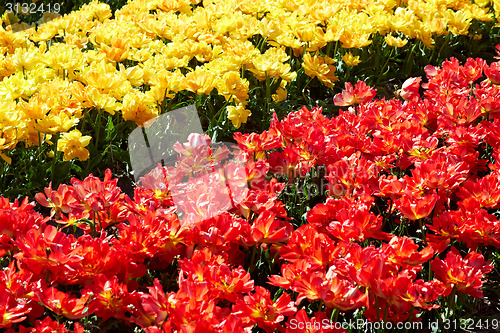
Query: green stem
(409, 57)
(99, 219)
(390, 212)
(252, 258)
(54, 158)
(98, 129)
(83, 121)
(110, 144)
(335, 315)
(329, 49)
(421, 224)
(304, 89)
(402, 226)
(410, 318)
(165, 103)
(3, 163)
(377, 307)
(385, 64)
(261, 43)
(39, 146)
(199, 100)
(93, 224)
(268, 92)
(451, 304)
(442, 46)
(385, 310)
(218, 112)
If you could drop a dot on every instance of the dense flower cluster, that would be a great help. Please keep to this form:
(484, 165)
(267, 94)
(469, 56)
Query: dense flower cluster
(422, 157)
(151, 50)
(417, 161)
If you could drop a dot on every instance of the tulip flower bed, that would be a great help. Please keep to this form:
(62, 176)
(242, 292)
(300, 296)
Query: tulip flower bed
(353, 213)
(386, 212)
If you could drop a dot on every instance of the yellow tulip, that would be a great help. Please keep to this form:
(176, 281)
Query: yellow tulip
(35, 108)
(350, 60)
(4, 146)
(237, 114)
(240, 52)
(9, 18)
(44, 33)
(16, 86)
(26, 59)
(320, 67)
(8, 141)
(351, 39)
(272, 63)
(281, 92)
(118, 51)
(200, 81)
(269, 29)
(138, 108)
(73, 144)
(395, 41)
(102, 78)
(7, 66)
(458, 22)
(182, 6)
(232, 85)
(12, 41)
(135, 75)
(64, 56)
(54, 123)
(101, 100)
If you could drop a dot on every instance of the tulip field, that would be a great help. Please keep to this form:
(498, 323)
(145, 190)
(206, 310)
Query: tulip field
(250, 166)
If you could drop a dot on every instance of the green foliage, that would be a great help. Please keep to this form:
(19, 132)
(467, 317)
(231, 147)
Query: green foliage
(33, 168)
